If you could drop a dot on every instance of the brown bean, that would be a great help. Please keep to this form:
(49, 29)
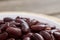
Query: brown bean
(3, 36)
(4, 26)
(26, 38)
(52, 37)
(11, 39)
(25, 26)
(14, 23)
(38, 27)
(37, 36)
(46, 35)
(28, 35)
(49, 31)
(7, 19)
(34, 22)
(22, 28)
(1, 22)
(57, 35)
(14, 31)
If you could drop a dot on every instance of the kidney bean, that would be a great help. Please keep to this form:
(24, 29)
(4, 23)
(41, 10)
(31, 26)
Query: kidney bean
(26, 38)
(11, 39)
(46, 35)
(25, 26)
(28, 35)
(4, 26)
(57, 35)
(38, 27)
(22, 28)
(1, 22)
(15, 23)
(34, 22)
(7, 19)
(52, 37)
(14, 31)
(49, 31)
(0, 31)
(37, 36)
(17, 17)
(3, 36)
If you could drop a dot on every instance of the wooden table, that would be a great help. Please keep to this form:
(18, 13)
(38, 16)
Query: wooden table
(49, 7)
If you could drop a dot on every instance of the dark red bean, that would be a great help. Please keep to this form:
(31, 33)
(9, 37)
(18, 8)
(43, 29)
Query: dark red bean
(1, 22)
(34, 22)
(52, 37)
(37, 36)
(14, 31)
(46, 35)
(7, 19)
(28, 35)
(4, 26)
(3, 36)
(11, 39)
(26, 38)
(57, 35)
(25, 26)
(28, 21)
(38, 27)
(17, 17)
(22, 28)
(49, 31)
(0, 31)
(14, 23)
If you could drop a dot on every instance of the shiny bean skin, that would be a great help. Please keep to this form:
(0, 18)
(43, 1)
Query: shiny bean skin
(57, 35)
(34, 22)
(4, 26)
(14, 23)
(52, 37)
(37, 36)
(3, 36)
(46, 35)
(14, 31)
(26, 38)
(11, 39)
(38, 27)
(25, 26)
(28, 35)
(7, 19)
(1, 22)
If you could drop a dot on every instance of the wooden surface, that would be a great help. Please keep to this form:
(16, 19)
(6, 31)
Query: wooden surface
(49, 7)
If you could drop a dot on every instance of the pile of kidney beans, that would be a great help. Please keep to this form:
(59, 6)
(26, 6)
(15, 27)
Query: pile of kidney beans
(22, 28)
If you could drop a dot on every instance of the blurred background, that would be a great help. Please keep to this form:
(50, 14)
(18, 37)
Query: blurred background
(48, 7)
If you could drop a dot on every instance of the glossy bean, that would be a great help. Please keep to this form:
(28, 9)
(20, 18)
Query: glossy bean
(26, 38)
(46, 35)
(14, 31)
(28, 35)
(25, 26)
(11, 39)
(3, 36)
(38, 27)
(7, 19)
(37, 36)
(57, 35)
